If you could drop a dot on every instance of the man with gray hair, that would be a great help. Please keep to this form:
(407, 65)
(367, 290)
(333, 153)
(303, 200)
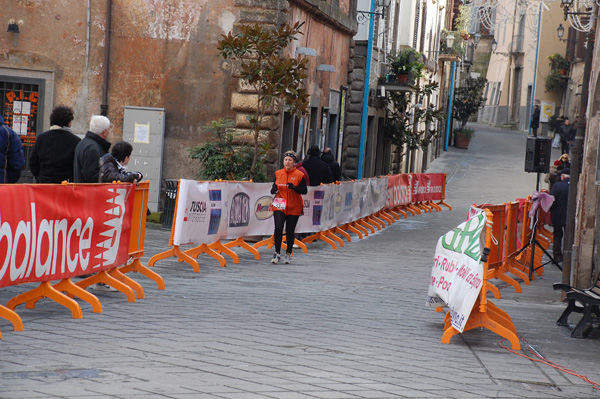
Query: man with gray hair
(88, 152)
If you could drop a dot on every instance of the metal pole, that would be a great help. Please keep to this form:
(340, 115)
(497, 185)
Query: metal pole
(363, 125)
(537, 53)
(576, 154)
(449, 118)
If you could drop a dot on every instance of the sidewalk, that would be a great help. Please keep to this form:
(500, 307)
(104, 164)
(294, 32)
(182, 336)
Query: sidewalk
(349, 323)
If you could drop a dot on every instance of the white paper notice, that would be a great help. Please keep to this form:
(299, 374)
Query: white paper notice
(142, 133)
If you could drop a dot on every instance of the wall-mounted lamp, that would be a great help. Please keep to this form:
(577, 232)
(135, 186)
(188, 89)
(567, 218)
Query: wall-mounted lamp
(568, 4)
(13, 27)
(494, 46)
(311, 52)
(326, 68)
(364, 16)
(560, 31)
(476, 39)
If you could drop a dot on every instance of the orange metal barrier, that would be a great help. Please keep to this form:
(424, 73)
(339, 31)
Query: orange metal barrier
(485, 314)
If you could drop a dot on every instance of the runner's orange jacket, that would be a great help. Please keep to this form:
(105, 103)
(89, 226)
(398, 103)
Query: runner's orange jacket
(293, 199)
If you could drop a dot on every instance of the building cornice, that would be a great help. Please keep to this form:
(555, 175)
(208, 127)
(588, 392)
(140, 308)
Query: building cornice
(322, 11)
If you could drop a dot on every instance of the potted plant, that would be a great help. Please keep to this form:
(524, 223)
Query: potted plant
(559, 63)
(462, 137)
(554, 81)
(468, 99)
(406, 64)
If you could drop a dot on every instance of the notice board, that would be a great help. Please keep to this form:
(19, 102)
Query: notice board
(144, 128)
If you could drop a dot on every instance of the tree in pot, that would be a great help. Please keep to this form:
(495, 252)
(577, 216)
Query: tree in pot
(468, 99)
(277, 79)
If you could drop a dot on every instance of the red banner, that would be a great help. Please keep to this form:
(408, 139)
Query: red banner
(399, 190)
(427, 187)
(50, 232)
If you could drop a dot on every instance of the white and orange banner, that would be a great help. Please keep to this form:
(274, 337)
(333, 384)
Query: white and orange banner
(457, 273)
(210, 211)
(50, 232)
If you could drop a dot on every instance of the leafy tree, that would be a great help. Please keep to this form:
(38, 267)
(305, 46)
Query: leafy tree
(468, 99)
(277, 78)
(223, 159)
(406, 125)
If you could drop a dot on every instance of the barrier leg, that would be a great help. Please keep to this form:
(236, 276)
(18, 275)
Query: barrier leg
(415, 209)
(268, 242)
(400, 211)
(134, 285)
(330, 234)
(382, 214)
(297, 242)
(366, 224)
(104, 277)
(360, 227)
(73, 290)
(494, 290)
(45, 290)
(395, 214)
(442, 202)
(13, 317)
(239, 242)
(137, 266)
(219, 247)
(322, 237)
(205, 249)
(512, 266)
(349, 226)
(434, 205)
(510, 281)
(343, 233)
(175, 251)
(379, 224)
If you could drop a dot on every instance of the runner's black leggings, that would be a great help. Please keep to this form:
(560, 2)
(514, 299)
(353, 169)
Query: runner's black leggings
(290, 222)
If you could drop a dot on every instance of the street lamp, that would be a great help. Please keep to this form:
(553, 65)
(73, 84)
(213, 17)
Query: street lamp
(560, 31)
(450, 40)
(476, 39)
(494, 45)
(568, 4)
(364, 16)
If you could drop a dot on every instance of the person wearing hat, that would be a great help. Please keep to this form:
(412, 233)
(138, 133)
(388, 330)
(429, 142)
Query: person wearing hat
(558, 212)
(287, 205)
(317, 169)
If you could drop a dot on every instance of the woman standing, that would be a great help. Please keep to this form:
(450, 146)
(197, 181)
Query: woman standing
(287, 205)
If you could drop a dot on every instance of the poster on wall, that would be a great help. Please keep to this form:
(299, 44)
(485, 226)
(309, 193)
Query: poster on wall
(547, 110)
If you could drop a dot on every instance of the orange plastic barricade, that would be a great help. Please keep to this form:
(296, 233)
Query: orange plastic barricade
(485, 314)
(11, 316)
(443, 201)
(181, 255)
(497, 249)
(138, 234)
(326, 236)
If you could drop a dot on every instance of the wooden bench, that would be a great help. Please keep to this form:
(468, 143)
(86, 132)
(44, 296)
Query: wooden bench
(586, 302)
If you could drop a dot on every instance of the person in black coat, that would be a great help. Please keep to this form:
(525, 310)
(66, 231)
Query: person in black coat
(334, 167)
(318, 170)
(567, 133)
(558, 211)
(535, 120)
(112, 165)
(86, 165)
(12, 159)
(52, 155)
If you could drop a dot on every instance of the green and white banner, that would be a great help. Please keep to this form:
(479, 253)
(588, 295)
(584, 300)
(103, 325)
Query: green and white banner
(457, 273)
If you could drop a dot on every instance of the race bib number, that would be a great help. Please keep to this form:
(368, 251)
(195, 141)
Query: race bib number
(279, 204)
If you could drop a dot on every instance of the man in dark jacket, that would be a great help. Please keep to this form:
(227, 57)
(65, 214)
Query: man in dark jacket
(318, 171)
(566, 133)
(12, 159)
(558, 211)
(535, 120)
(52, 155)
(334, 167)
(86, 165)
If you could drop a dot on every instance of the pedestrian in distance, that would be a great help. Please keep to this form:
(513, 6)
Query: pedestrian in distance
(52, 155)
(287, 205)
(567, 133)
(318, 170)
(113, 165)
(86, 165)
(334, 167)
(12, 159)
(558, 212)
(535, 120)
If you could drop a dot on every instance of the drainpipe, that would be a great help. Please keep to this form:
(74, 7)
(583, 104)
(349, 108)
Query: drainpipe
(450, 100)
(535, 69)
(105, 72)
(363, 125)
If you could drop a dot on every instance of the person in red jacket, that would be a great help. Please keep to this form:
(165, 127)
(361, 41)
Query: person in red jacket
(287, 205)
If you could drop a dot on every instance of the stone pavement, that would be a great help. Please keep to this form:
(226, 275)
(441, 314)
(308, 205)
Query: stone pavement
(349, 323)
